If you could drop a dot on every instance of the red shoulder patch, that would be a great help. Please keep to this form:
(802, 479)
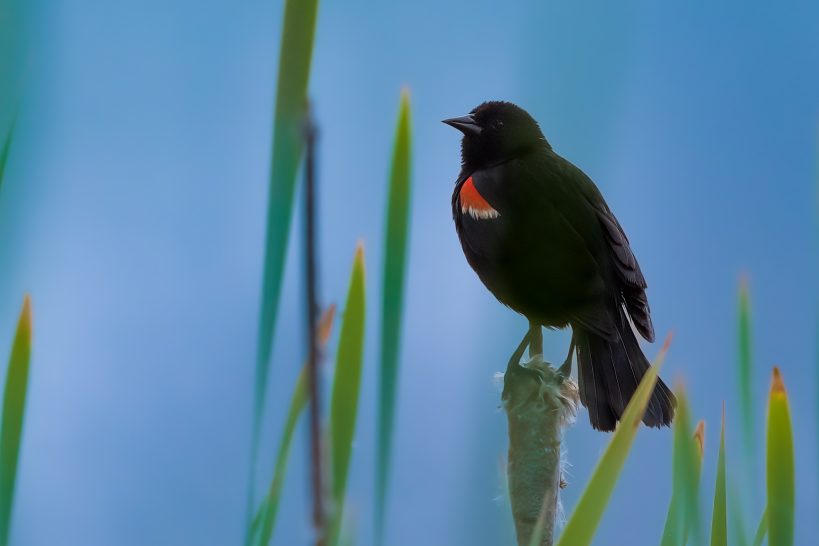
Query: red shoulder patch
(474, 204)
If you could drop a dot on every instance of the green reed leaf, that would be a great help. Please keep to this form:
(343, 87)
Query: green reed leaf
(4, 152)
(582, 524)
(346, 387)
(719, 516)
(761, 529)
(265, 518)
(779, 466)
(683, 511)
(745, 371)
(295, 56)
(395, 258)
(14, 405)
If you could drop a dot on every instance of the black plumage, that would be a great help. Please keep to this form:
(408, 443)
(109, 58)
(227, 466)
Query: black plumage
(540, 236)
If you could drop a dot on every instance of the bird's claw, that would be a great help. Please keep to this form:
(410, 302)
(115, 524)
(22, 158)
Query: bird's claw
(518, 375)
(565, 370)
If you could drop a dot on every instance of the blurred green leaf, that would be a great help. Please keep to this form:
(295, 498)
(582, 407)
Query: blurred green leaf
(699, 447)
(683, 512)
(14, 31)
(270, 505)
(346, 386)
(14, 405)
(779, 465)
(4, 152)
(583, 522)
(745, 371)
(253, 537)
(295, 55)
(761, 529)
(395, 252)
(349, 536)
(719, 517)
(737, 517)
(265, 518)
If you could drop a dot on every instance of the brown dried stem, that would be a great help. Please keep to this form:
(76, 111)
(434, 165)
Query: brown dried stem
(313, 350)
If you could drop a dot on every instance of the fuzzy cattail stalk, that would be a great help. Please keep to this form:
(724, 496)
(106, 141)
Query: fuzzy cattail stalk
(539, 403)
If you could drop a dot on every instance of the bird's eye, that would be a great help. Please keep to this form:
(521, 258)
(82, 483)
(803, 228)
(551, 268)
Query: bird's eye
(497, 124)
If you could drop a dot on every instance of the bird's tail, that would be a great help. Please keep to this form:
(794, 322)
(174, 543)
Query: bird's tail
(609, 372)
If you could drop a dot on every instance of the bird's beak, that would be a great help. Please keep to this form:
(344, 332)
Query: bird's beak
(465, 124)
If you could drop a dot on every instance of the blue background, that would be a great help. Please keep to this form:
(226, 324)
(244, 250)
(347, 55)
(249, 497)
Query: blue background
(134, 206)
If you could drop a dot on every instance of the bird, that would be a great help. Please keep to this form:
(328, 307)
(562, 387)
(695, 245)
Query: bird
(541, 237)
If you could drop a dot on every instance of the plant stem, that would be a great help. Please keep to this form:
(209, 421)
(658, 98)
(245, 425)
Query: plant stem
(316, 451)
(540, 403)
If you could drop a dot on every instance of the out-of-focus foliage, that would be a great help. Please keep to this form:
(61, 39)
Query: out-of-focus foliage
(719, 517)
(779, 465)
(346, 388)
(683, 511)
(14, 405)
(265, 518)
(745, 371)
(395, 257)
(5, 147)
(295, 56)
(761, 529)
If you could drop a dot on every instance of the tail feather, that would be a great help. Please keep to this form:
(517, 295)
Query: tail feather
(592, 389)
(608, 374)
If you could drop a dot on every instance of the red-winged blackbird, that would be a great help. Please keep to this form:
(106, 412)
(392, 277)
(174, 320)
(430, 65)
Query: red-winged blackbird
(542, 239)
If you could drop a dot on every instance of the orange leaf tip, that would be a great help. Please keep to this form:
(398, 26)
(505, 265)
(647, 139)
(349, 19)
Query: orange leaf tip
(325, 325)
(777, 385)
(699, 436)
(25, 313)
(666, 343)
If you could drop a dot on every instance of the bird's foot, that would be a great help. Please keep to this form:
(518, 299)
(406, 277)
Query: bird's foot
(514, 360)
(519, 375)
(565, 369)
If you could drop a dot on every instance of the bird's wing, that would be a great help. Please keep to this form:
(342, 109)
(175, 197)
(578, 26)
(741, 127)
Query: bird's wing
(553, 245)
(633, 283)
(629, 277)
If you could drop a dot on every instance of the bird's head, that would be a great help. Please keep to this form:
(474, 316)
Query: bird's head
(495, 132)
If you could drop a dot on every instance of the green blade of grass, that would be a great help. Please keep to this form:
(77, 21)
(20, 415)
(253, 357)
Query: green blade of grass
(745, 372)
(265, 518)
(586, 516)
(395, 252)
(295, 56)
(14, 405)
(683, 510)
(719, 517)
(737, 516)
(15, 26)
(346, 386)
(699, 445)
(761, 529)
(4, 151)
(256, 523)
(779, 465)
(349, 537)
